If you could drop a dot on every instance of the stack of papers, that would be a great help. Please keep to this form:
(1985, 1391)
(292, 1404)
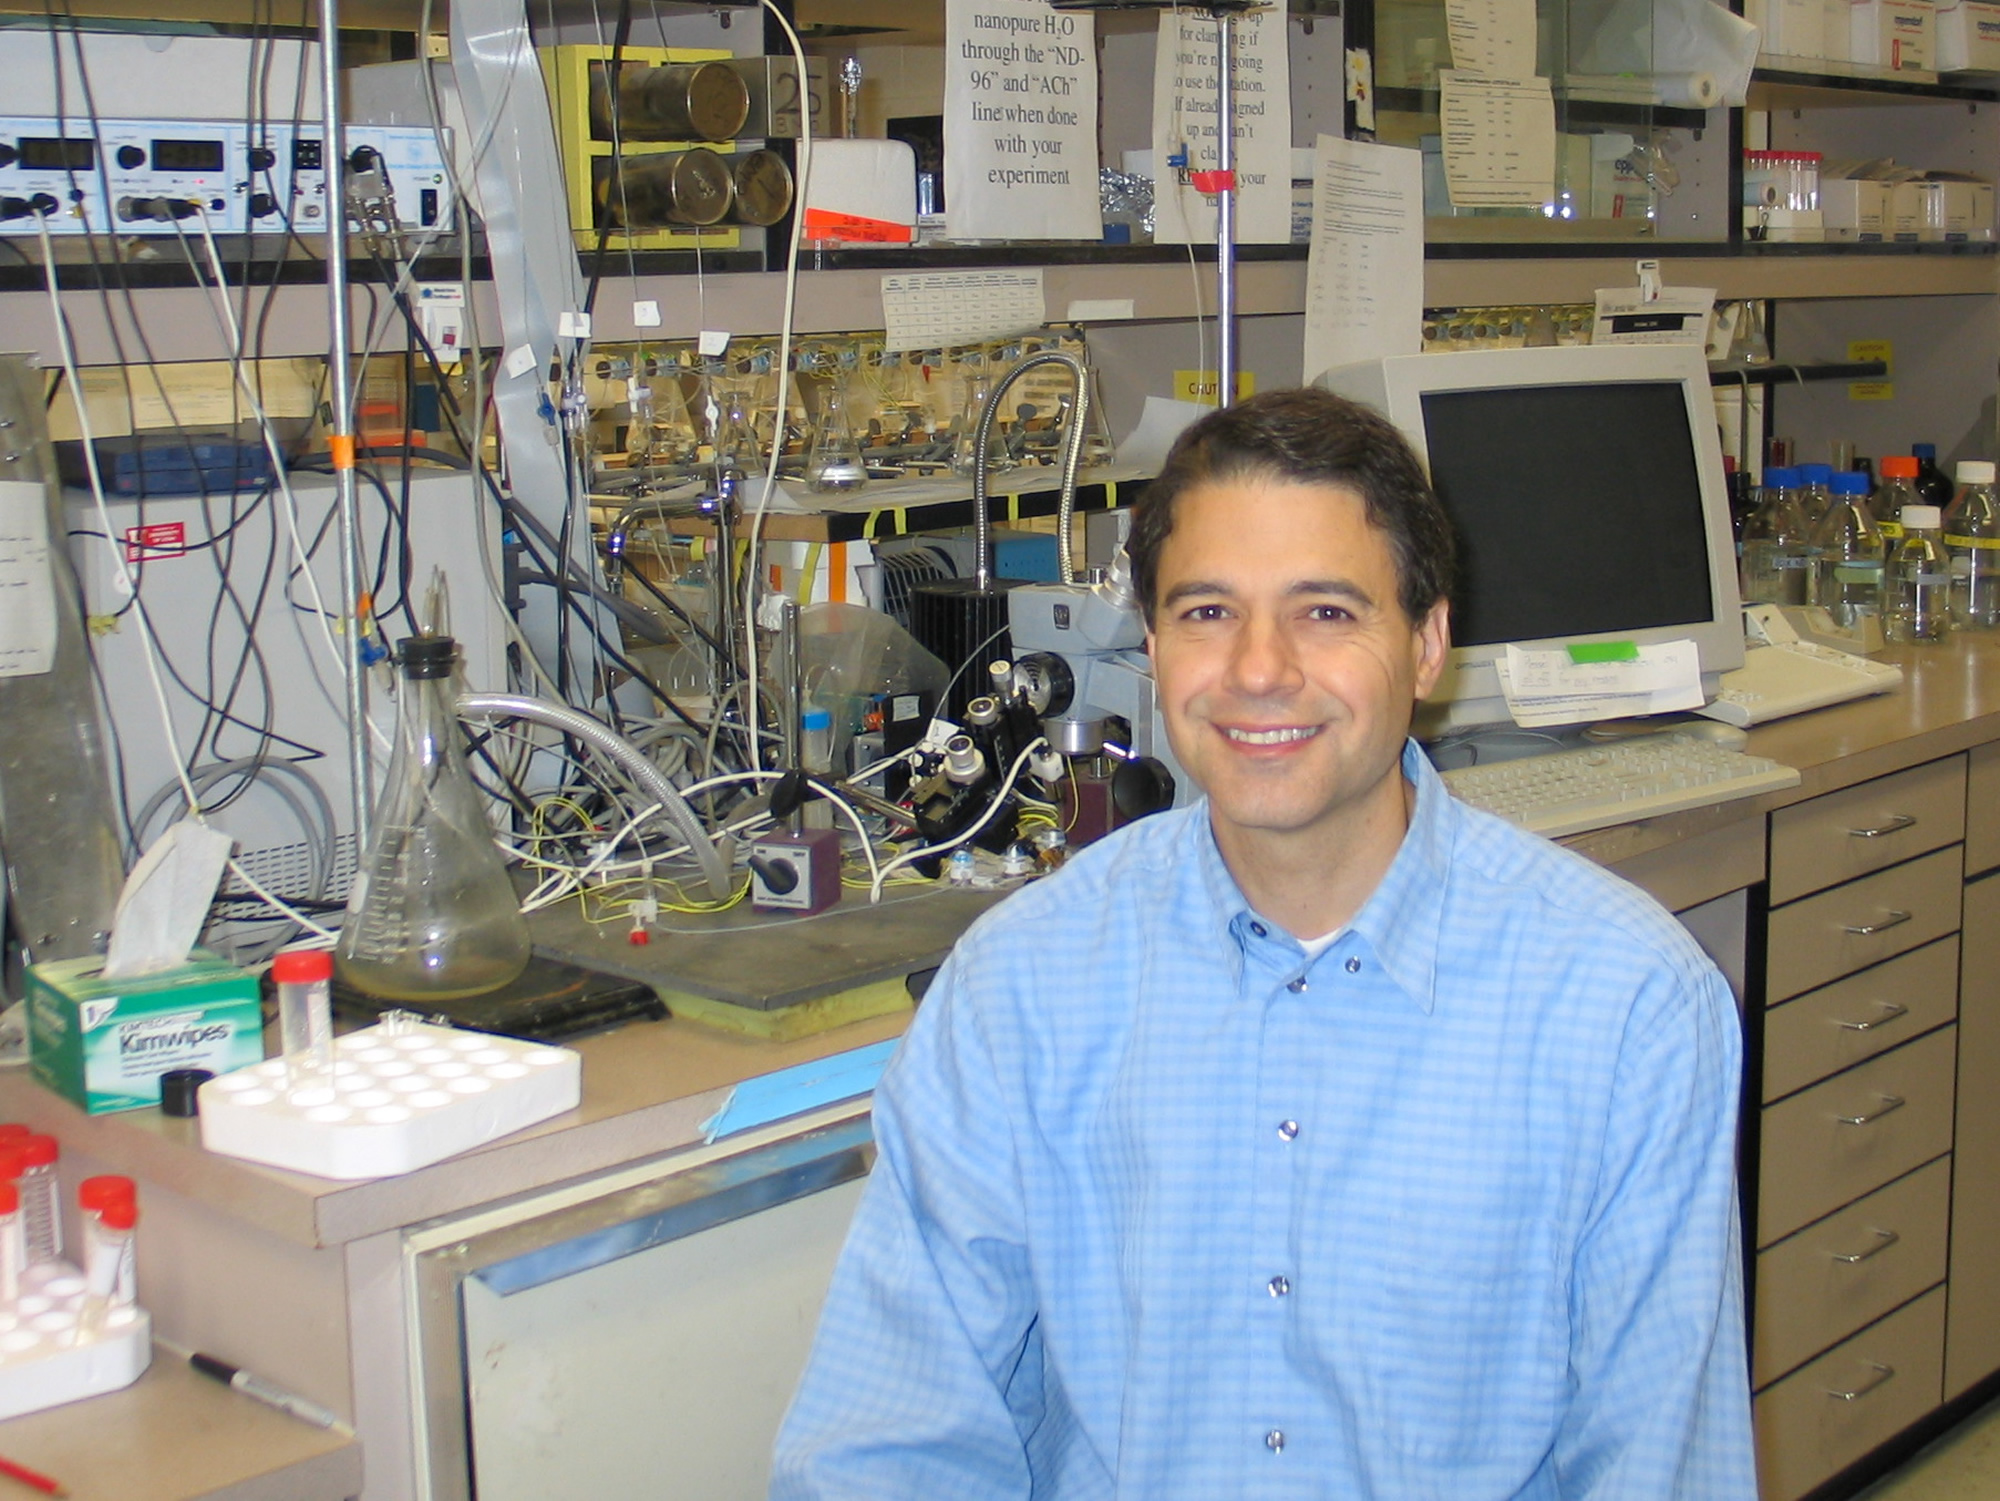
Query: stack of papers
(1603, 680)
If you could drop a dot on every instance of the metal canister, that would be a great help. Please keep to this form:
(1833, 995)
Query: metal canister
(676, 102)
(664, 187)
(763, 188)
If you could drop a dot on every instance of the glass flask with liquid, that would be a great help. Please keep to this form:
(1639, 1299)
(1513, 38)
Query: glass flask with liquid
(432, 914)
(834, 463)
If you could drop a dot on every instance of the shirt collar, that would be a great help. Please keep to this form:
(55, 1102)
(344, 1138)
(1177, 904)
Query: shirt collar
(1401, 921)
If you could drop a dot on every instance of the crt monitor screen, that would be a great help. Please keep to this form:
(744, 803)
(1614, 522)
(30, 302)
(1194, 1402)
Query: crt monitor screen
(1578, 508)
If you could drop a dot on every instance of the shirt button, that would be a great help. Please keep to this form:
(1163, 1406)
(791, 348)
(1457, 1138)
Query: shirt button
(1279, 1285)
(1287, 1130)
(1297, 986)
(1275, 1441)
(1260, 930)
(1353, 966)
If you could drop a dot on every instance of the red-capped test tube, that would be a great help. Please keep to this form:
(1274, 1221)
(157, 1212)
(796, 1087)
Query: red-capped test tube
(94, 1196)
(108, 1281)
(41, 1202)
(304, 978)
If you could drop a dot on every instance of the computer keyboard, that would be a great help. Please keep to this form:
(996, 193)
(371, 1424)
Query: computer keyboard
(1568, 792)
(1776, 681)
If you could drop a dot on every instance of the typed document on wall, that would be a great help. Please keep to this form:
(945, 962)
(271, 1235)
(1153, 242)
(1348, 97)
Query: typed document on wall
(1365, 270)
(1020, 122)
(1186, 101)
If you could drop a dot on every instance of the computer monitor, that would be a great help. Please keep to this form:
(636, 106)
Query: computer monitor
(1587, 488)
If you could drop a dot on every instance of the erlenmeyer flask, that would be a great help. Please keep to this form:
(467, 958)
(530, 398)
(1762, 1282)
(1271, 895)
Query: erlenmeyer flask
(978, 387)
(834, 462)
(432, 914)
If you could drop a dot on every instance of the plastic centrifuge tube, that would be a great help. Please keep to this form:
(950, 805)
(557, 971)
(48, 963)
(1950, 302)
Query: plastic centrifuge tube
(13, 1244)
(107, 1265)
(41, 1213)
(305, 1015)
(93, 1196)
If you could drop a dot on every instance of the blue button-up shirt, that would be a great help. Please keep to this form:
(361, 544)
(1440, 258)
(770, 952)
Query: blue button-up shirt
(1164, 1208)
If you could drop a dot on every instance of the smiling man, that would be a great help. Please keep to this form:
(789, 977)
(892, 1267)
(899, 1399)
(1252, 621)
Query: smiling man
(1324, 1139)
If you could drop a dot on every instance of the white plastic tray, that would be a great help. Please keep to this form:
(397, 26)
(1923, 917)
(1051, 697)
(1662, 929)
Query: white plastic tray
(404, 1095)
(41, 1362)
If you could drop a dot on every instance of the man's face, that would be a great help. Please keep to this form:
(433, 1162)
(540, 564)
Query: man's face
(1286, 667)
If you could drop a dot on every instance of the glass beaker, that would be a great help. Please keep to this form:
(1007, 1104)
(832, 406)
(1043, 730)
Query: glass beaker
(432, 914)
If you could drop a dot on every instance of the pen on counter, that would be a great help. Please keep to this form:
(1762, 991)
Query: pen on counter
(256, 1387)
(30, 1477)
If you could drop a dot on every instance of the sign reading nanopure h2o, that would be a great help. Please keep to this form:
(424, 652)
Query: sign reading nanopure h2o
(1020, 122)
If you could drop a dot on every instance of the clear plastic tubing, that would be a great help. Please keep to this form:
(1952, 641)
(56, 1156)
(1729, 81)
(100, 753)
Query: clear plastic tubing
(304, 978)
(13, 1245)
(41, 1210)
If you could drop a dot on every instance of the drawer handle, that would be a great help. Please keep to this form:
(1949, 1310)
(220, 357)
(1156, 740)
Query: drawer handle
(1895, 919)
(1896, 824)
(1882, 1373)
(1884, 1240)
(1891, 1103)
(1891, 1010)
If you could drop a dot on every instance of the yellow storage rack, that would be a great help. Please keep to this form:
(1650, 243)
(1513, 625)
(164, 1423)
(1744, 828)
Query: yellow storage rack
(567, 70)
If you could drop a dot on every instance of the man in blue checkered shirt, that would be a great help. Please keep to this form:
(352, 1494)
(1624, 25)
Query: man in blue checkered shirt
(1324, 1139)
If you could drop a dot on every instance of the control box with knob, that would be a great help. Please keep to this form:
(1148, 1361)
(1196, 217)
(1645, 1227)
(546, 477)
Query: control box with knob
(797, 873)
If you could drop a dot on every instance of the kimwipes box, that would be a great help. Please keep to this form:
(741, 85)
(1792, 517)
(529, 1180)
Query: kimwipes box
(1895, 34)
(105, 1043)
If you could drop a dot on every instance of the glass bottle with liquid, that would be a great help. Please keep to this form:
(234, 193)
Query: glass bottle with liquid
(1972, 543)
(1815, 492)
(1898, 488)
(1777, 552)
(1847, 554)
(1933, 488)
(432, 914)
(1916, 582)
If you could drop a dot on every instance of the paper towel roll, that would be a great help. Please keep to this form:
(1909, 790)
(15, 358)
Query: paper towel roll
(1688, 90)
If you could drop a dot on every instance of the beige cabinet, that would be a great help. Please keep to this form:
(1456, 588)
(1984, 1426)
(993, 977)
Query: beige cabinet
(1972, 1334)
(1861, 1082)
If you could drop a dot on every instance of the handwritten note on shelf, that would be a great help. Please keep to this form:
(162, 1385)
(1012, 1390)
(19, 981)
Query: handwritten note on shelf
(1365, 270)
(932, 309)
(1493, 38)
(1020, 122)
(27, 590)
(1186, 90)
(1499, 140)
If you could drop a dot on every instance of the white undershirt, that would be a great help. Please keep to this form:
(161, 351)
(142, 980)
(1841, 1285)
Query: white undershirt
(1314, 947)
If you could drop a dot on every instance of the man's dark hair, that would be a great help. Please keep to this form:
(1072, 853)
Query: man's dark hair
(1307, 436)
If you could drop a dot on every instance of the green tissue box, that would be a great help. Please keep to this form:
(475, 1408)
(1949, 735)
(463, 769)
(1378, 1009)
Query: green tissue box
(105, 1043)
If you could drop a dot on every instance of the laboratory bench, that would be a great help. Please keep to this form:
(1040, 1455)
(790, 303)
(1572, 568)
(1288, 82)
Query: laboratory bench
(608, 1290)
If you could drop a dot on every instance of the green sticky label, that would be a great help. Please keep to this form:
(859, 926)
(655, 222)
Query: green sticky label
(1582, 653)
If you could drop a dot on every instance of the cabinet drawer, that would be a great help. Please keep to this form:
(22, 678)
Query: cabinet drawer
(1982, 809)
(1826, 1415)
(1838, 1025)
(1847, 834)
(1852, 926)
(1820, 1285)
(1828, 1145)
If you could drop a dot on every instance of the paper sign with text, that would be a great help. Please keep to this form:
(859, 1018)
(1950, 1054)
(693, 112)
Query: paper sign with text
(1186, 93)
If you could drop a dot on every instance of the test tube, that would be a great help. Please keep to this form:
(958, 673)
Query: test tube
(305, 1015)
(93, 1196)
(13, 1244)
(107, 1266)
(40, 1208)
